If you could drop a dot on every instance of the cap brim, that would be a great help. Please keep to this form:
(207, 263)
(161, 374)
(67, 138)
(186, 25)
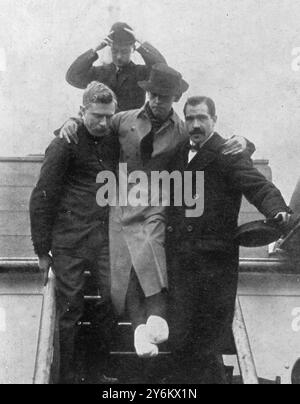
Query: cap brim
(123, 42)
(148, 86)
(257, 234)
(184, 86)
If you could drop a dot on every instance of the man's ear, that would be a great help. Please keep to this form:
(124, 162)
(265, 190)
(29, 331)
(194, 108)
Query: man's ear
(215, 119)
(82, 110)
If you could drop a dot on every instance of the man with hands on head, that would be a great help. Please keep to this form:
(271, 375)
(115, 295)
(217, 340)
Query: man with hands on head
(122, 75)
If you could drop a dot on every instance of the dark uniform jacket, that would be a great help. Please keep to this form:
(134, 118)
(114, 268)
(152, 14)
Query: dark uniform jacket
(227, 179)
(124, 83)
(63, 208)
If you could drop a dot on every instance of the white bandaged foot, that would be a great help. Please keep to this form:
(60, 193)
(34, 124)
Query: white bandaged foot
(157, 329)
(144, 348)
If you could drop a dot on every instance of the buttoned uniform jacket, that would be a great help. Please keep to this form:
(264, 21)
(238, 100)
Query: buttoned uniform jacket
(63, 208)
(124, 83)
(226, 180)
(137, 234)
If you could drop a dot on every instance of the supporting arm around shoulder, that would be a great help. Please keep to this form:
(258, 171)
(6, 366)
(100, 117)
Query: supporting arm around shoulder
(69, 130)
(238, 145)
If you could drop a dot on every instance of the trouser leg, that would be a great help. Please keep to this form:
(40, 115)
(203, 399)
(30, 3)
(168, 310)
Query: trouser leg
(141, 311)
(135, 302)
(203, 290)
(181, 307)
(104, 315)
(69, 273)
(157, 305)
(140, 307)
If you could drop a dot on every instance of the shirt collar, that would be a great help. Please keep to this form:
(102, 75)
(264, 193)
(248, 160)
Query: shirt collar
(91, 137)
(124, 68)
(143, 114)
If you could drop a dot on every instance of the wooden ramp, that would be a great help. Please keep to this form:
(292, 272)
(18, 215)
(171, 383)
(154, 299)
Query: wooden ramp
(267, 322)
(27, 324)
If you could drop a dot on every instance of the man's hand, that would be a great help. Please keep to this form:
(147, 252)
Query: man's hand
(235, 145)
(45, 263)
(135, 35)
(283, 219)
(104, 43)
(69, 132)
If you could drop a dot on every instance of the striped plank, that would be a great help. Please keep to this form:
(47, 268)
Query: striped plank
(14, 199)
(17, 178)
(20, 173)
(16, 246)
(14, 223)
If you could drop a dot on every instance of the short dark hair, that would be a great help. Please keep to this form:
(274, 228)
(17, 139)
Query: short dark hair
(97, 92)
(193, 101)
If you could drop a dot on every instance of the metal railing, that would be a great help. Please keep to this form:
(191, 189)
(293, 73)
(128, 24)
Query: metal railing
(46, 342)
(243, 348)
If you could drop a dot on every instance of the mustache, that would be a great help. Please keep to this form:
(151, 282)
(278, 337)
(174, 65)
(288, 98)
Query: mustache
(197, 131)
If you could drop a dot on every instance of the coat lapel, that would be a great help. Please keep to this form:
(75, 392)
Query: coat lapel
(202, 160)
(207, 153)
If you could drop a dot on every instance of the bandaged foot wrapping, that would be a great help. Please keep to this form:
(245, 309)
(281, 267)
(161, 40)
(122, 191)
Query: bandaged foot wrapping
(144, 348)
(157, 330)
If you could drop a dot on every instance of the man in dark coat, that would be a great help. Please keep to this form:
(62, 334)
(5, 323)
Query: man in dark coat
(122, 76)
(202, 256)
(66, 220)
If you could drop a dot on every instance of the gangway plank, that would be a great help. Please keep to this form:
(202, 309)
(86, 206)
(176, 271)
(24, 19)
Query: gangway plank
(242, 343)
(27, 324)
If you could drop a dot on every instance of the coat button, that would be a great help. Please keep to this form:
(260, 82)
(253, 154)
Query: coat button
(196, 197)
(170, 229)
(190, 229)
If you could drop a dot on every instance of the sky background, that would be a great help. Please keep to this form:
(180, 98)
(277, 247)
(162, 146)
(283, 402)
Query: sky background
(239, 52)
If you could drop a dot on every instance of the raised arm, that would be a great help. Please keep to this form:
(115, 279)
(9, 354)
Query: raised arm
(82, 72)
(148, 52)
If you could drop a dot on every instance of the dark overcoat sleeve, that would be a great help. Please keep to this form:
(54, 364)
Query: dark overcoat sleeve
(46, 195)
(82, 72)
(263, 194)
(151, 56)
